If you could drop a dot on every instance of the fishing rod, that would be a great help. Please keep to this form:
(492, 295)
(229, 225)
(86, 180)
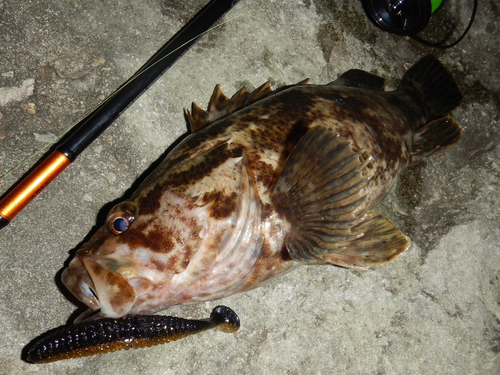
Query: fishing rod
(91, 126)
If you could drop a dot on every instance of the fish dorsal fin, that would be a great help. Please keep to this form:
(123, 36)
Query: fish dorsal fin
(320, 192)
(220, 105)
(435, 135)
(360, 79)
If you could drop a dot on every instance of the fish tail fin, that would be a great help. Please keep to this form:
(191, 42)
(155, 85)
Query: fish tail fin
(437, 90)
(434, 85)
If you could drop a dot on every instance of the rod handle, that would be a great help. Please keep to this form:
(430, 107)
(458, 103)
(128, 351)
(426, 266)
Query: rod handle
(31, 186)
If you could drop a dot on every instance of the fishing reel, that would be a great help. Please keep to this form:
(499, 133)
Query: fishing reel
(408, 17)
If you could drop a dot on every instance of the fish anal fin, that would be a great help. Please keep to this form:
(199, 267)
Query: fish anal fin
(378, 241)
(436, 135)
(360, 79)
(320, 192)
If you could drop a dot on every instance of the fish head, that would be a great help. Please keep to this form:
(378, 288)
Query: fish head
(118, 271)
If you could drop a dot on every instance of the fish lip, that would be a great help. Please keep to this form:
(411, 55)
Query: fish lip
(77, 280)
(115, 295)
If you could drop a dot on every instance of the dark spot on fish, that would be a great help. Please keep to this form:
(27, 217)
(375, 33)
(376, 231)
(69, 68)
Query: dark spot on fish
(283, 208)
(210, 160)
(119, 299)
(299, 129)
(134, 236)
(172, 264)
(159, 265)
(150, 203)
(280, 123)
(158, 240)
(267, 210)
(266, 251)
(285, 255)
(263, 172)
(222, 206)
(391, 147)
(350, 108)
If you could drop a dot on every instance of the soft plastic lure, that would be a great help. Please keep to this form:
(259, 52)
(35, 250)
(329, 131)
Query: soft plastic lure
(139, 331)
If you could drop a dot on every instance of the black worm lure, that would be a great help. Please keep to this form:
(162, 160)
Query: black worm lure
(139, 331)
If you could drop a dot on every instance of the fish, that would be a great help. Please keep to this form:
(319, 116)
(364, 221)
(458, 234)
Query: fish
(267, 181)
(130, 332)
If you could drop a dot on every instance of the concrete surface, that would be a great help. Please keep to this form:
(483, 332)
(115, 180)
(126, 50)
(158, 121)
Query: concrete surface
(435, 310)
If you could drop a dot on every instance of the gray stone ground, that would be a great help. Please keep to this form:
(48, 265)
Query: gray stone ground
(434, 310)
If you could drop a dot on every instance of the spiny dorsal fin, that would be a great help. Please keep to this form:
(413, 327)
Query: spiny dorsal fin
(320, 192)
(218, 102)
(360, 79)
(197, 118)
(220, 105)
(436, 135)
(237, 101)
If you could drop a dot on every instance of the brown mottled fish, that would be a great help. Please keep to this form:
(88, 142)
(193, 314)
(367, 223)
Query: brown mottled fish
(267, 181)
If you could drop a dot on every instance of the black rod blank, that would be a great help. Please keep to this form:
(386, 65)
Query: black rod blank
(87, 130)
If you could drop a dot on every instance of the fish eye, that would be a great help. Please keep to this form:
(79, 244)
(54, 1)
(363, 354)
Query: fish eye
(119, 221)
(120, 225)
(120, 217)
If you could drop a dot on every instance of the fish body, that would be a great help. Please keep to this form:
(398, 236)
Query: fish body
(267, 181)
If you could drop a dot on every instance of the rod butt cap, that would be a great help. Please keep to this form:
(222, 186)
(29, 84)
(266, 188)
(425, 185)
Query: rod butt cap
(3, 222)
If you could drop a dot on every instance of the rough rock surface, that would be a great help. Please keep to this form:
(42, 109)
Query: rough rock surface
(436, 309)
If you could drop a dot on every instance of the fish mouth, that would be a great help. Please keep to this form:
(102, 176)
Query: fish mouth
(105, 292)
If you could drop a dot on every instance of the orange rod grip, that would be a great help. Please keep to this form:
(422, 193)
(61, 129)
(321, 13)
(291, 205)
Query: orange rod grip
(33, 185)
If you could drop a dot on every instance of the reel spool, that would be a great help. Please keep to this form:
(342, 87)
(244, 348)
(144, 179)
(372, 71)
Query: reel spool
(408, 17)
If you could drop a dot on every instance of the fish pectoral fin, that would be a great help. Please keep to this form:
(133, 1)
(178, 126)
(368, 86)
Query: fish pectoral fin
(320, 191)
(360, 79)
(377, 241)
(436, 135)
